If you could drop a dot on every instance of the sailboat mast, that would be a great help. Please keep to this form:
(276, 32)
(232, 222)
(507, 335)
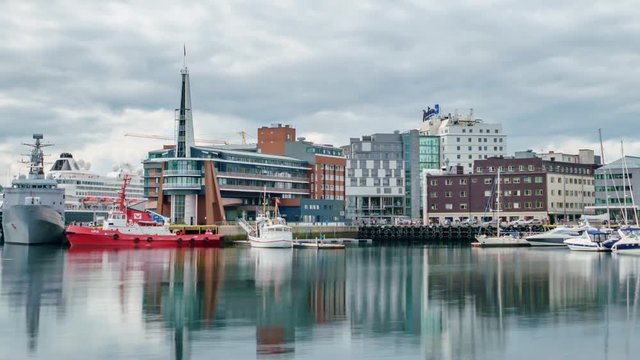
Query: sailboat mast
(626, 180)
(498, 204)
(623, 207)
(606, 190)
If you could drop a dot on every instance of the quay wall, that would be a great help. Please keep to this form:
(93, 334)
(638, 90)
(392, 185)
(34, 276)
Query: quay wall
(409, 234)
(235, 232)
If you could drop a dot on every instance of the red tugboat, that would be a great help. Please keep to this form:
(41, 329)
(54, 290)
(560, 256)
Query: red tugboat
(130, 228)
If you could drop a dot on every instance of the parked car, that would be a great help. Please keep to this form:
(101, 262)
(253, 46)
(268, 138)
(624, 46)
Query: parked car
(469, 222)
(533, 222)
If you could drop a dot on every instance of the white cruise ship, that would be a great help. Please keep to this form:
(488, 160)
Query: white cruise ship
(85, 190)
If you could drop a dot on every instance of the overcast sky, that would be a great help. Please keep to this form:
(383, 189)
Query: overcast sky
(86, 72)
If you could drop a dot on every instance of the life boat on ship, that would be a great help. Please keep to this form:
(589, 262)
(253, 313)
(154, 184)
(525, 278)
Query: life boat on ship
(126, 227)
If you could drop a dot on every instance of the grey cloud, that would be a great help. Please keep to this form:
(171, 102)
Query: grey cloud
(543, 69)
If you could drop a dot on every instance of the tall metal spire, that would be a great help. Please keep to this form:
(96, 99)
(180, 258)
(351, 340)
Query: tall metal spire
(184, 118)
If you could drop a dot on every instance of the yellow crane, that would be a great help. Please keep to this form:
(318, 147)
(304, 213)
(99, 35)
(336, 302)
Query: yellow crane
(161, 137)
(244, 135)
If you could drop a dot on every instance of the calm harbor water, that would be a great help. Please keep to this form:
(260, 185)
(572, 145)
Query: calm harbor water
(368, 302)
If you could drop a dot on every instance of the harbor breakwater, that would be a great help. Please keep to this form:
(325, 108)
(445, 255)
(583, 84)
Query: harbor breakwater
(408, 234)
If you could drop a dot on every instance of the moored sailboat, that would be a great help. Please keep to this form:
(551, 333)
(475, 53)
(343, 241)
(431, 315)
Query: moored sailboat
(505, 239)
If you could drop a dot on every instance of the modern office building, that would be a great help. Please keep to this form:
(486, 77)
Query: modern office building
(530, 188)
(616, 187)
(375, 187)
(421, 153)
(326, 173)
(202, 185)
(464, 140)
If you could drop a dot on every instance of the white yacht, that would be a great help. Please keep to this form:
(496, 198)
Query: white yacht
(593, 240)
(629, 241)
(554, 237)
(86, 190)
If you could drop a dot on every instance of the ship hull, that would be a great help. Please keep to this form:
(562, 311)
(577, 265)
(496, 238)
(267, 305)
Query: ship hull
(95, 237)
(32, 225)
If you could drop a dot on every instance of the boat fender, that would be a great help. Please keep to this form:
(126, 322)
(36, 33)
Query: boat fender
(179, 240)
(206, 240)
(136, 240)
(192, 241)
(115, 236)
(149, 239)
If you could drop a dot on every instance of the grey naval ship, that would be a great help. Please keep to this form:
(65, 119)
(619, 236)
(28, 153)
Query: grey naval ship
(33, 207)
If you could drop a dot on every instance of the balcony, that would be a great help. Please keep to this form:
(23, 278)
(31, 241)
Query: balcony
(182, 173)
(181, 186)
(239, 175)
(260, 189)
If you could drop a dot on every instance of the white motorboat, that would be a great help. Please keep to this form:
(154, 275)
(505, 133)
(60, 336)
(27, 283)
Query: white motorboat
(271, 233)
(268, 232)
(317, 244)
(629, 241)
(505, 239)
(592, 240)
(554, 237)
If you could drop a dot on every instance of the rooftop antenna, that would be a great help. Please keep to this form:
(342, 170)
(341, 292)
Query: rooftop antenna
(470, 113)
(184, 56)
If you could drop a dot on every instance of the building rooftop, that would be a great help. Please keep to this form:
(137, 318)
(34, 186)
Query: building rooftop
(631, 162)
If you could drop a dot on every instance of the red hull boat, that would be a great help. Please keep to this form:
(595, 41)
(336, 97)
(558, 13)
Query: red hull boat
(91, 236)
(130, 228)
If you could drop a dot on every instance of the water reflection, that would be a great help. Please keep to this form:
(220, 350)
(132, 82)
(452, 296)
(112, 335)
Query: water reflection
(31, 279)
(402, 302)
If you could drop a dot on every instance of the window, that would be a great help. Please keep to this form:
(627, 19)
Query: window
(539, 192)
(463, 181)
(463, 206)
(506, 180)
(538, 180)
(448, 182)
(433, 182)
(527, 192)
(516, 180)
(527, 179)
(447, 194)
(521, 168)
(488, 180)
(463, 194)
(448, 206)
(434, 194)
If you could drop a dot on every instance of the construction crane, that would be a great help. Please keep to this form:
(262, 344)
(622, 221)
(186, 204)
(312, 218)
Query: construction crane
(244, 135)
(161, 137)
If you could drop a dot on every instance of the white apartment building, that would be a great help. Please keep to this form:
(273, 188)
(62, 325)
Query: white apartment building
(375, 184)
(464, 140)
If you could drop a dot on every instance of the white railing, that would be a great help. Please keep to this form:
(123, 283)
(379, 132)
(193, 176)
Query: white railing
(181, 186)
(245, 226)
(182, 173)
